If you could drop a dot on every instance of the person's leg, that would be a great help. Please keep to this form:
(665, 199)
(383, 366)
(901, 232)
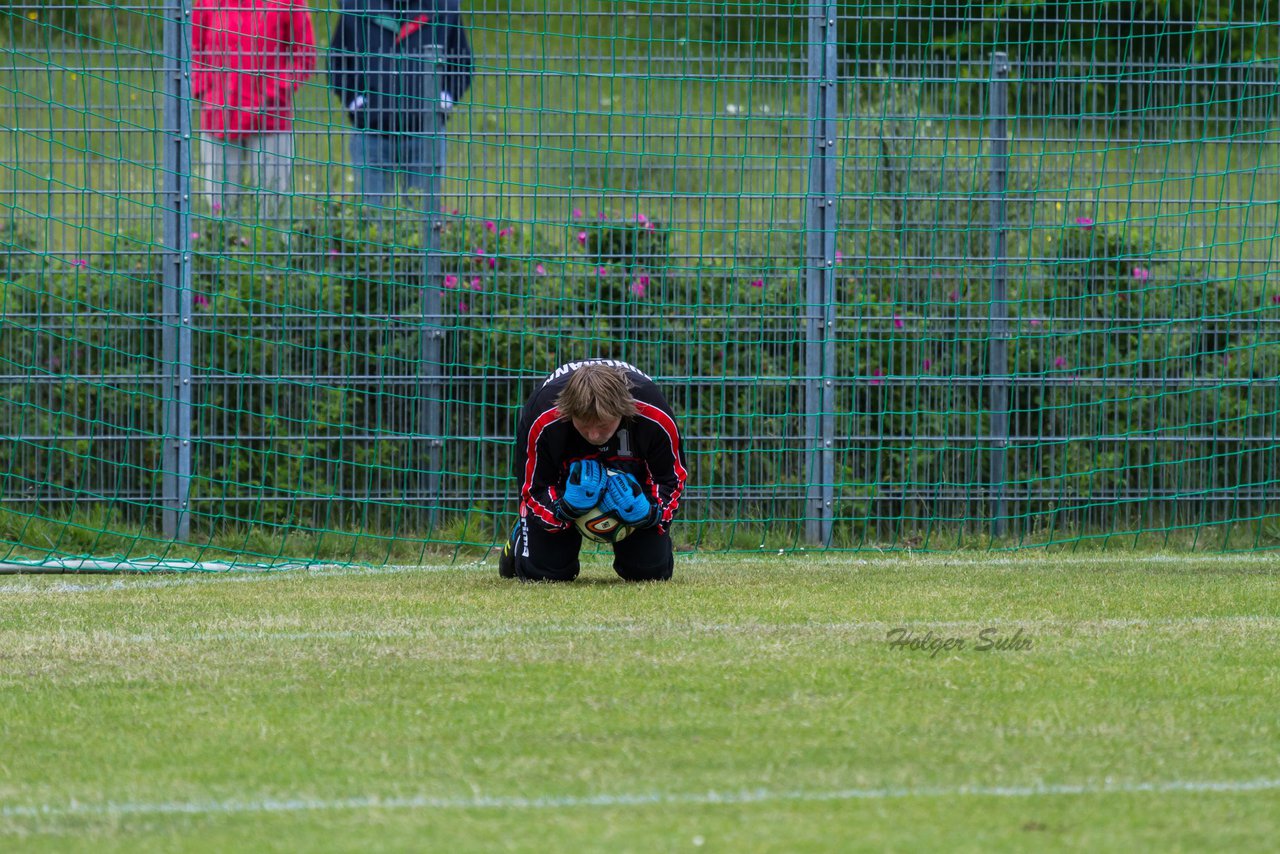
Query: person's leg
(252, 203)
(236, 158)
(272, 169)
(507, 557)
(646, 555)
(213, 169)
(418, 165)
(541, 555)
(441, 152)
(373, 158)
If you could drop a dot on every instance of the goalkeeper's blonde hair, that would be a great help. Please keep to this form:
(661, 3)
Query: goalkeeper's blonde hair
(596, 393)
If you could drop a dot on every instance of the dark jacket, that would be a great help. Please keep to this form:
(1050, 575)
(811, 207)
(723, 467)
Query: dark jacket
(376, 64)
(647, 446)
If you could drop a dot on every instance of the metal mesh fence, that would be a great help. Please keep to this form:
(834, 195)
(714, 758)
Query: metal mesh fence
(911, 276)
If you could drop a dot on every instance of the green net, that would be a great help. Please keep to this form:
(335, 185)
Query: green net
(914, 276)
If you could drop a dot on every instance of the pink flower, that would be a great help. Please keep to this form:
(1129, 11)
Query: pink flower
(582, 238)
(244, 241)
(1084, 222)
(641, 218)
(492, 263)
(928, 363)
(453, 212)
(451, 281)
(476, 285)
(217, 206)
(540, 270)
(954, 296)
(506, 232)
(201, 299)
(1034, 322)
(602, 216)
(638, 286)
(1276, 299)
(602, 271)
(195, 235)
(839, 257)
(897, 322)
(79, 262)
(876, 372)
(490, 227)
(758, 283)
(463, 306)
(333, 251)
(648, 226)
(577, 213)
(1060, 362)
(1141, 273)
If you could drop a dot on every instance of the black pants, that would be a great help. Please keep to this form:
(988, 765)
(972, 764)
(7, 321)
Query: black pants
(542, 555)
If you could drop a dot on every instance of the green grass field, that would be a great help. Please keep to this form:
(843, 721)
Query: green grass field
(756, 703)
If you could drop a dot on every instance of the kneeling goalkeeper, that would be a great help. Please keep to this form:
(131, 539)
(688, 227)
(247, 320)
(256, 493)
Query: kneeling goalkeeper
(584, 419)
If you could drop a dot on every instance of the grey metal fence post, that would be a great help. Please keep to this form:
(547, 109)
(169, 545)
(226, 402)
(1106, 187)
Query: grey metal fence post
(820, 249)
(998, 362)
(431, 364)
(176, 298)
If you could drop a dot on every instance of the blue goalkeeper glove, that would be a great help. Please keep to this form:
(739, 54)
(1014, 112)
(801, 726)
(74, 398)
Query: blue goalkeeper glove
(584, 487)
(624, 496)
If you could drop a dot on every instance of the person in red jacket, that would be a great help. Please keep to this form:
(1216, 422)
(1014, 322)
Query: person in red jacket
(248, 59)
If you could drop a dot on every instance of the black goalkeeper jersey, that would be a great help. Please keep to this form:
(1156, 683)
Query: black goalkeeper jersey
(647, 446)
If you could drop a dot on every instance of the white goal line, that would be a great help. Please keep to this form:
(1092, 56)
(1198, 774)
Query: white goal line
(868, 558)
(112, 809)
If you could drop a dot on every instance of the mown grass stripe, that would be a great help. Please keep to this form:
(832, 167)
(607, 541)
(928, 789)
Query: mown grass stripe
(454, 629)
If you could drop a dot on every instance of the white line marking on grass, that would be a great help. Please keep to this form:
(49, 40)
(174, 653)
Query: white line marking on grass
(830, 561)
(113, 809)
(41, 583)
(58, 587)
(1030, 557)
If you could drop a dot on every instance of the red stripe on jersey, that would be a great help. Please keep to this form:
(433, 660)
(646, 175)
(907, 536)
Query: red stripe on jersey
(411, 27)
(540, 424)
(668, 426)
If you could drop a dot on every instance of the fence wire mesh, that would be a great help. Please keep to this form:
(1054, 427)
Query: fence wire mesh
(898, 296)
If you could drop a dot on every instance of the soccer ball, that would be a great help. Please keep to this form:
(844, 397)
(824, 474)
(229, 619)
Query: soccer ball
(603, 526)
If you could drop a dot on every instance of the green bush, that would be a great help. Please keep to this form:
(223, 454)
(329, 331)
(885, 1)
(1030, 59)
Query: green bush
(1112, 338)
(339, 301)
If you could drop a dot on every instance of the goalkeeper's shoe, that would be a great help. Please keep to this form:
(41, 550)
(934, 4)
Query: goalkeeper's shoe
(507, 560)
